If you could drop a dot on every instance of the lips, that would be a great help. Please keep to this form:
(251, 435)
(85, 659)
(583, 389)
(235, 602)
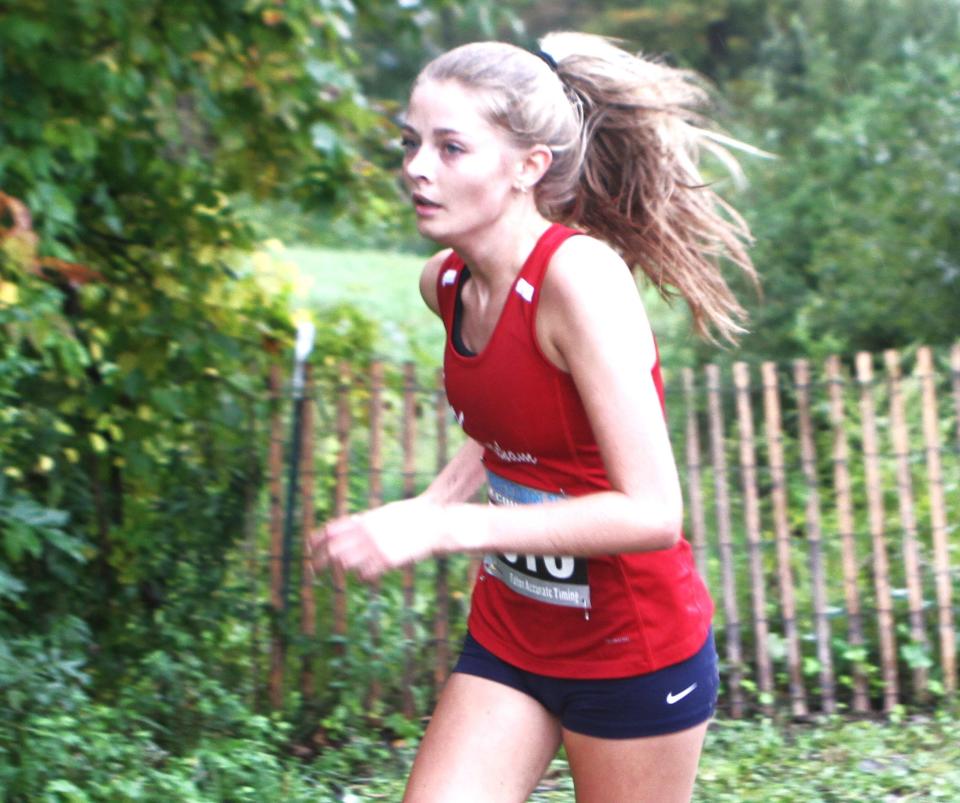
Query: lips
(421, 201)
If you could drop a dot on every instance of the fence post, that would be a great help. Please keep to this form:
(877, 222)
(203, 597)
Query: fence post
(808, 457)
(881, 566)
(751, 513)
(251, 526)
(938, 520)
(695, 492)
(275, 469)
(441, 629)
(341, 503)
(911, 555)
(308, 608)
(771, 407)
(375, 499)
(409, 490)
(844, 502)
(955, 377)
(719, 459)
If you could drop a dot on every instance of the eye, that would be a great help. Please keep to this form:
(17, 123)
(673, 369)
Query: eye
(452, 149)
(408, 144)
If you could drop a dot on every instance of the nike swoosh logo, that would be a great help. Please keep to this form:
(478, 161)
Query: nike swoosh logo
(676, 698)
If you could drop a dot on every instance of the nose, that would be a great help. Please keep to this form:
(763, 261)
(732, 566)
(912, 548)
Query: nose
(418, 165)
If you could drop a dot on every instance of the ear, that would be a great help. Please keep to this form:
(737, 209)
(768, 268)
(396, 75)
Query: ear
(532, 166)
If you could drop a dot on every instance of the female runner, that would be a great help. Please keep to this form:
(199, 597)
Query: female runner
(547, 177)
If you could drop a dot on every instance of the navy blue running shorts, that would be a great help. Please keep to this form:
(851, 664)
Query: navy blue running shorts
(669, 700)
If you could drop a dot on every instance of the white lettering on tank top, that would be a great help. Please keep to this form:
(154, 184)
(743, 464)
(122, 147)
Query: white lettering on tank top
(525, 290)
(511, 457)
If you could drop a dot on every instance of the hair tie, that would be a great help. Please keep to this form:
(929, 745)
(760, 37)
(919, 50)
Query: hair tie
(549, 60)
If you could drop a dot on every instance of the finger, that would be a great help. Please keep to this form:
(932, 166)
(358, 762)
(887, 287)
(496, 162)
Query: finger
(370, 571)
(348, 554)
(319, 559)
(319, 553)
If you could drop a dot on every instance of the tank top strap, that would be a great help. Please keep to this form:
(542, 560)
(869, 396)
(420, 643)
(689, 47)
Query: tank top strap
(536, 264)
(447, 281)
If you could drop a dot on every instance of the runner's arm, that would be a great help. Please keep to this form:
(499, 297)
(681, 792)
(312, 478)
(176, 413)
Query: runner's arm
(596, 326)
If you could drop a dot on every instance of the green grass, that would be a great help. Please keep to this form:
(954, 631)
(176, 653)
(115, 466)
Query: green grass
(385, 286)
(827, 761)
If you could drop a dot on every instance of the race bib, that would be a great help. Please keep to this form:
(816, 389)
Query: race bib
(555, 580)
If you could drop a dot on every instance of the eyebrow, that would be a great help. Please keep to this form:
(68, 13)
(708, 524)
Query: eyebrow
(437, 132)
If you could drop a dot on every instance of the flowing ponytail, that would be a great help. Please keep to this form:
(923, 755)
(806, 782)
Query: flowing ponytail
(626, 141)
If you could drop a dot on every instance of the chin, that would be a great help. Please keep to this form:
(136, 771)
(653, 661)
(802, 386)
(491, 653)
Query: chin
(434, 235)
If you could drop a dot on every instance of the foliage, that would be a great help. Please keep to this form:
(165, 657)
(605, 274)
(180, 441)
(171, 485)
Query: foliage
(831, 760)
(136, 339)
(127, 129)
(854, 219)
(141, 309)
(394, 45)
(58, 743)
(859, 102)
(827, 761)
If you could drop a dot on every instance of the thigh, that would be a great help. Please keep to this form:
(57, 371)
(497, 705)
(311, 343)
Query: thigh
(648, 769)
(486, 742)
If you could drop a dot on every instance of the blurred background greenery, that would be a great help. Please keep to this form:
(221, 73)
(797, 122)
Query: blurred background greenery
(200, 175)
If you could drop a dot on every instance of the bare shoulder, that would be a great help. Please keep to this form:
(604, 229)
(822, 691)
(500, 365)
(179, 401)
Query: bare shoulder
(590, 294)
(587, 277)
(428, 279)
(584, 260)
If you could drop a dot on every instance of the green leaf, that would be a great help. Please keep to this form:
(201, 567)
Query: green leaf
(19, 539)
(10, 587)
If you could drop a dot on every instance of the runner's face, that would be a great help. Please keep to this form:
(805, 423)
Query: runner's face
(460, 170)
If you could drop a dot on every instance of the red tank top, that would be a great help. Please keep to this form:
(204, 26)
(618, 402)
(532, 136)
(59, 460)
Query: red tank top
(599, 617)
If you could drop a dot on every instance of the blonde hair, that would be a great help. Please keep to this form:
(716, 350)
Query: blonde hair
(626, 141)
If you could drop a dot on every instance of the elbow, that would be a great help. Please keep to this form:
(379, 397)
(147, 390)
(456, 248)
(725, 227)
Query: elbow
(659, 524)
(670, 530)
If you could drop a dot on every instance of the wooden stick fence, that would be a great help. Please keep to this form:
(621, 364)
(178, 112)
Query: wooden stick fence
(843, 488)
(812, 514)
(831, 530)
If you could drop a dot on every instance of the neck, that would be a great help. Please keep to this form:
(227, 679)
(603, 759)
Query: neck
(497, 254)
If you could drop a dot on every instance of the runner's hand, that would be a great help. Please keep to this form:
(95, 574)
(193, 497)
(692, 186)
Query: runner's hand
(381, 539)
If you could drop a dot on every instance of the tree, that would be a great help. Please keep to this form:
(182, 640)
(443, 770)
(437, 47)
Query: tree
(135, 331)
(853, 220)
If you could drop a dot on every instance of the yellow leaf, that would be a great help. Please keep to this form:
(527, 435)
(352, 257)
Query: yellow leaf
(44, 464)
(301, 316)
(271, 17)
(98, 442)
(206, 255)
(108, 61)
(9, 294)
(72, 455)
(12, 471)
